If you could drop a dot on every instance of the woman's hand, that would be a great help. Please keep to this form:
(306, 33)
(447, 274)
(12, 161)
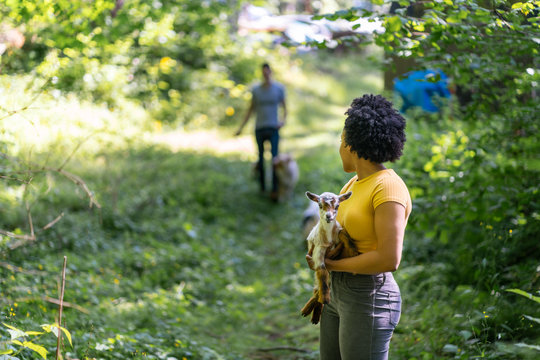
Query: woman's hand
(310, 262)
(329, 264)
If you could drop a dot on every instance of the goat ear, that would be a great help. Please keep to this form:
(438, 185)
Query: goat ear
(312, 196)
(345, 196)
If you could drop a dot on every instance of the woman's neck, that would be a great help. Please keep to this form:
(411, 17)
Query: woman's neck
(365, 168)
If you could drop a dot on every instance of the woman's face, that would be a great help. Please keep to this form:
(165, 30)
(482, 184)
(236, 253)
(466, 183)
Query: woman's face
(346, 155)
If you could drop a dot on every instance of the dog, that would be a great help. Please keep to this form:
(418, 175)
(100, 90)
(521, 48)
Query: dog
(287, 173)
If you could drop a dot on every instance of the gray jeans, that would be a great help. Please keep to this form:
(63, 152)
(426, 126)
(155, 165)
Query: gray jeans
(361, 317)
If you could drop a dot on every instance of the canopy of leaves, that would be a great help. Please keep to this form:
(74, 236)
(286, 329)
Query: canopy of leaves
(165, 54)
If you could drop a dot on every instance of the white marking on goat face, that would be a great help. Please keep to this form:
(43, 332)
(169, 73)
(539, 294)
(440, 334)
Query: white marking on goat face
(328, 206)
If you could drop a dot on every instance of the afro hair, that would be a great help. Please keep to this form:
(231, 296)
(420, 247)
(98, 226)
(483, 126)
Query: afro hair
(374, 130)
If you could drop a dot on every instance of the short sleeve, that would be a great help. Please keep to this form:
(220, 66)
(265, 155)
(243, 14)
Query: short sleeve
(391, 189)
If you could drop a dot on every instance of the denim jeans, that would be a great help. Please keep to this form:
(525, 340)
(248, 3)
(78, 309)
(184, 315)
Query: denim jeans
(263, 135)
(361, 317)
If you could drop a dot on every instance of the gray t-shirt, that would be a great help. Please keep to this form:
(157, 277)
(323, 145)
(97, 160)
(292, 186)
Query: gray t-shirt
(267, 100)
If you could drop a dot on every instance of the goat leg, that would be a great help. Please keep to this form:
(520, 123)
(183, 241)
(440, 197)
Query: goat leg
(323, 277)
(335, 252)
(316, 315)
(310, 305)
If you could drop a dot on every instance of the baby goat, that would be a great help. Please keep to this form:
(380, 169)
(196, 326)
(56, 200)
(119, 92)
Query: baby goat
(321, 238)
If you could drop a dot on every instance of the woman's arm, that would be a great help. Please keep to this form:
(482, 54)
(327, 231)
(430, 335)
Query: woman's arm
(389, 222)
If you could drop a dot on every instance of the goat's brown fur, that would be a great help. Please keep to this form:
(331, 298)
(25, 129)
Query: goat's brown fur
(344, 248)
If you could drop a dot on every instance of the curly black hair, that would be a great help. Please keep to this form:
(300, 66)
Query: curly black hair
(374, 130)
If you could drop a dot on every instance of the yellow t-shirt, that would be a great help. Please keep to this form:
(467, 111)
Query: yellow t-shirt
(356, 213)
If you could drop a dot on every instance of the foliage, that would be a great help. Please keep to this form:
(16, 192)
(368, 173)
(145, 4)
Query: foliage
(176, 57)
(18, 337)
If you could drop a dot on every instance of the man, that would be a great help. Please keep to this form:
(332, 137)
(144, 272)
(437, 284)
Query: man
(266, 99)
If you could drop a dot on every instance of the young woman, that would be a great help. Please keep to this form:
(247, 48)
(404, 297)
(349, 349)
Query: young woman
(365, 305)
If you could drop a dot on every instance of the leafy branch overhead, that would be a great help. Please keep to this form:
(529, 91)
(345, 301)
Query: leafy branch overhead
(469, 40)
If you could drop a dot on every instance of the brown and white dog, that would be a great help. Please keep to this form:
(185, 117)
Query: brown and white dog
(287, 173)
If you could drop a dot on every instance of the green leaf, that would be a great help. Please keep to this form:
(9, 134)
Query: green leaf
(444, 237)
(10, 327)
(526, 294)
(47, 327)
(453, 19)
(517, 5)
(54, 329)
(537, 320)
(450, 348)
(393, 24)
(8, 357)
(37, 348)
(68, 335)
(32, 333)
(532, 347)
(14, 332)
(5, 352)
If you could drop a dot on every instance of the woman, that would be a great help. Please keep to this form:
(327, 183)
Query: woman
(365, 305)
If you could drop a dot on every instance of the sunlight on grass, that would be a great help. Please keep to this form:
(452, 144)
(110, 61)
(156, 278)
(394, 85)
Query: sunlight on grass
(42, 121)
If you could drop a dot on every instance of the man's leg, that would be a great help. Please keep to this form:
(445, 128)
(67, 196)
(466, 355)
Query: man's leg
(259, 136)
(274, 141)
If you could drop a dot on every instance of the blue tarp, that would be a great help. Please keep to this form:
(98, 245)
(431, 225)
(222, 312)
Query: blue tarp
(417, 90)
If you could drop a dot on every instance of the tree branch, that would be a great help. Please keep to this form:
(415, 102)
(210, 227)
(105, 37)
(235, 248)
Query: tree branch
(26, 107)
(59, 342)
(23, 239)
